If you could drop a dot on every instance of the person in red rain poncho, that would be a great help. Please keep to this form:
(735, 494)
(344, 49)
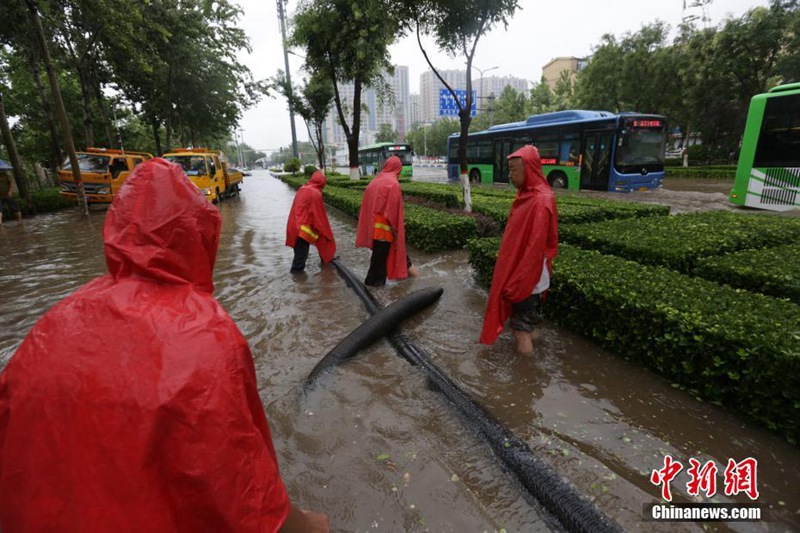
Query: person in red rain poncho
(132, 404)
(308, 224)
(381, 226)
(525, 261)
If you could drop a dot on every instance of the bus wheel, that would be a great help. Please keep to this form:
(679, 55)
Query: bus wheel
(474, 176)
(557, 180)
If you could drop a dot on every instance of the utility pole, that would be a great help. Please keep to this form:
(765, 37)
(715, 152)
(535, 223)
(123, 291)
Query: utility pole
(282, 17)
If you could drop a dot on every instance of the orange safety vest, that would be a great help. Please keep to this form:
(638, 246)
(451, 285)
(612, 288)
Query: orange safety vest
(382, 230)
(308, 234)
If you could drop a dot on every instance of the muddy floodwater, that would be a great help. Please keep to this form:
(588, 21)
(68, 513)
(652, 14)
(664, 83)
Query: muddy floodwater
(372, 445)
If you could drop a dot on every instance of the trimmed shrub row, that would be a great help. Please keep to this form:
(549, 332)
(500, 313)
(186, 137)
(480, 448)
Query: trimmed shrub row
(427, 229)
(771, 271)
(680, 241)
(42, 201)
(737, 349)
(700, 172)
(447, 195)
(572, 210)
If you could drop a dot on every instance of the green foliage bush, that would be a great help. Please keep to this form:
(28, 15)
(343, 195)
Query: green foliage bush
(708, 172)
(293, 165)
(771, 271)
(445, 195)
(308, 170)
(571, 209)
(679, 241)
(42, 201)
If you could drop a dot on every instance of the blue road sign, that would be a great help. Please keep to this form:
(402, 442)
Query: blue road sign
(448, 105)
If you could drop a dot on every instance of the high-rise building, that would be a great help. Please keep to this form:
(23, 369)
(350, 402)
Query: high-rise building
(414, 110)
(551, 72)
(392, 110)
(429, 87)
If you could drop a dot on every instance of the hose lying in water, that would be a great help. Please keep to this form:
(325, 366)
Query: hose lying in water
(382, 322)
(559, 497)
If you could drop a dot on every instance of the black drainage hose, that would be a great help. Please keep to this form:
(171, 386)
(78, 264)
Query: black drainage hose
(375, 328)
(559, 497)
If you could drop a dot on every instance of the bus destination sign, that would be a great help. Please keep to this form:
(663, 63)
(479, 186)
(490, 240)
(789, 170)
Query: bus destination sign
(647, 123)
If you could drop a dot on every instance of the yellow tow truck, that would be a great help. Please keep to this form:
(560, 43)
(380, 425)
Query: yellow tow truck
(209, 170)
(103, 171)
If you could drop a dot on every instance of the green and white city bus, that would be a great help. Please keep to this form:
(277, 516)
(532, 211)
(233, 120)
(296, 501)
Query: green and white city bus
(768, 174)
(579, 149)
(371, 158)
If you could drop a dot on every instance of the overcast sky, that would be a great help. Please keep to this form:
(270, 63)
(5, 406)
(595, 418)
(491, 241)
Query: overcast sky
(537, 33)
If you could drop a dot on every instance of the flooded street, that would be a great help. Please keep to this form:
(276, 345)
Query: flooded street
(372, 445)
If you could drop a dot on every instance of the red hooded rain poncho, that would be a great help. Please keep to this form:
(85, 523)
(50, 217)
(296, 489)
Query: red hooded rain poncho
(132, 404)
(308, 208)
(384, 196)
(531, 235)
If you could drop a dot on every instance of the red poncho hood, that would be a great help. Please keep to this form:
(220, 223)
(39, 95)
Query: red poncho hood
(384, 196)
(132, 404)
(531, 234)
(308, 207)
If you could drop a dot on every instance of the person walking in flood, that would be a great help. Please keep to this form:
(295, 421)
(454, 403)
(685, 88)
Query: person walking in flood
(7, 193)
(132, 404)
(525, 260)
(381, 226)
(308, 224)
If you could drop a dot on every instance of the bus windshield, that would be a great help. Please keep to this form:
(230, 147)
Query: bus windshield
(192, 165)
(640, 148)
(89, 163)
(779, 142)
(404, 155)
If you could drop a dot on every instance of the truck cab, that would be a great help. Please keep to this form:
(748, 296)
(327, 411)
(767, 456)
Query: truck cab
(208, 170)
(103, 171)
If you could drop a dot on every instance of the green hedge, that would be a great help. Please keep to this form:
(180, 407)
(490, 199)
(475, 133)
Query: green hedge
(730, 347)
(427, 229)
(679, 241)
(447, 195)
(771, 271)
(718, 172)
(42, 201)
(571, 209)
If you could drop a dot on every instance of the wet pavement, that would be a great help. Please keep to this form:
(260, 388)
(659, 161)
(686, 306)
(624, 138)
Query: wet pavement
(372, 445)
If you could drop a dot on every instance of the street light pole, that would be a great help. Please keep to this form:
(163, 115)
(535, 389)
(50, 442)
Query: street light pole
(481, 72)
(282, 17)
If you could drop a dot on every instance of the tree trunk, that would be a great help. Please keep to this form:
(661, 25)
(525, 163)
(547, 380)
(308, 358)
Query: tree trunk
(686, 146)
(98, 97)
(320, 145)
(13, 155)
(61, 112)
(86, 102)
(55, 149)
(168, 122)
(462, 157)
(156, 136)
(352, 139)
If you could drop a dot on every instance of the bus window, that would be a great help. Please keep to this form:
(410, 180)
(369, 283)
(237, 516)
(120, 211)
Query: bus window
(779, 142)
(502, 149)
(568, 152)
(548, 152)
